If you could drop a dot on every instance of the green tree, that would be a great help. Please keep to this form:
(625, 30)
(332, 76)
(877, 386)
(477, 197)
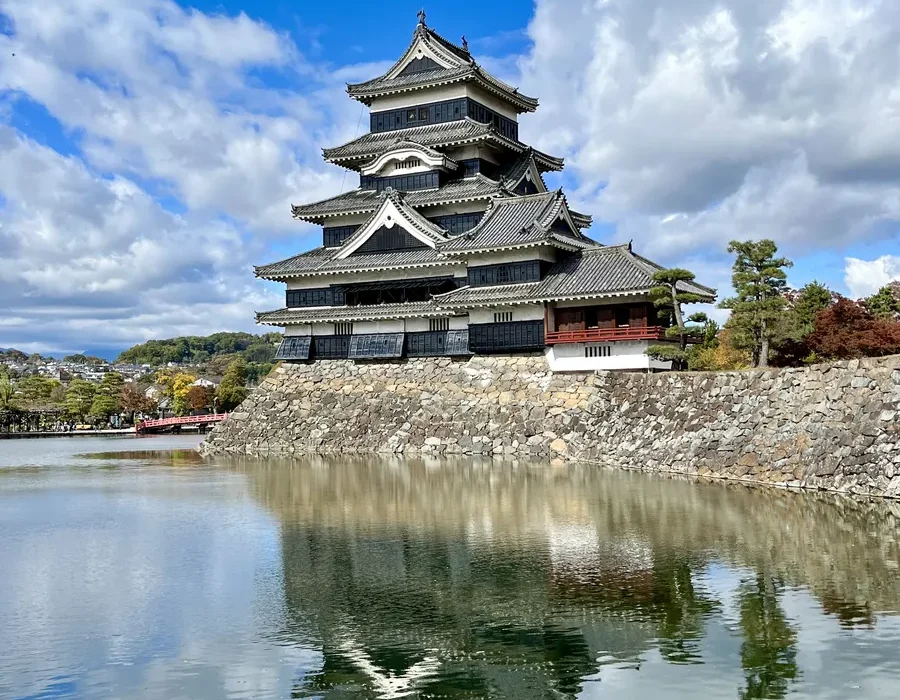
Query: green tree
(810, 300)
(797, 321)
(769, 650)
(885, 303)
(108, 396)
(80, 398)
(670, 293)
(7, 394)
(233, 390)
(35, 390)
(759, 281)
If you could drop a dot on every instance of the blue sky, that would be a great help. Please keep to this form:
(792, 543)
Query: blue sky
(150, 150)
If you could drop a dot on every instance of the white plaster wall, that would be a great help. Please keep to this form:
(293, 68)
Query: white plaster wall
(410, 325)
(458, 208)
(416, 325)
(518, 255)
(439, 94)
(319, 281)
(489, 100)
(365, 327)
(297, 330)
(349, 220)
(625, 355)
(473, 151)
(420, 97)
(525, 312)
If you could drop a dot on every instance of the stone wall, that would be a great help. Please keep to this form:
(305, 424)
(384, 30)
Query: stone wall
(832, 427)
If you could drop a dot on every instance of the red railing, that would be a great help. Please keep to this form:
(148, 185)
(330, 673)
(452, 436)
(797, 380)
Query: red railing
(594, 335)
(145, 425)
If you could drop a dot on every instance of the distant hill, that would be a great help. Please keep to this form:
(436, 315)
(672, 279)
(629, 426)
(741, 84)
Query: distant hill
(197, 350)
(14, 355)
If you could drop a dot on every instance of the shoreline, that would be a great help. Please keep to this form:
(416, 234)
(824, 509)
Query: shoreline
(70, 433)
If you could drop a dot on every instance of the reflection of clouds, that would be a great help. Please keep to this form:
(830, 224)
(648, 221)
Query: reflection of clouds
(163, 583)
(141, 581)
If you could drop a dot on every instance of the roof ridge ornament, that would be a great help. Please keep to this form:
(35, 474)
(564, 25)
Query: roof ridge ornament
(421, 17)
(465, 44)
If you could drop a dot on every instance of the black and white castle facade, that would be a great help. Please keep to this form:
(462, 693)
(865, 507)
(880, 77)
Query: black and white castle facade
(452, 245)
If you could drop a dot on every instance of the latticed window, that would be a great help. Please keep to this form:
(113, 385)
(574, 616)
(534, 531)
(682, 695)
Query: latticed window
(439, 324)
(598, 351)
(503, 317)
(343, 329)
(408, 163)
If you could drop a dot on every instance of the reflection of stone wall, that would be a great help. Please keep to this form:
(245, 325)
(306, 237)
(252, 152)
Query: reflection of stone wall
(592, 526)
(833, 427)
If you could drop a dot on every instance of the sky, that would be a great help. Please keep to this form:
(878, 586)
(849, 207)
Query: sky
(150, 150)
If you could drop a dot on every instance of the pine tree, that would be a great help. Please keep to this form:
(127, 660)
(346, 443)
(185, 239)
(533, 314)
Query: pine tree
(670, 294)
(759, 281)
(232, 391)
(108, 397)
(80, 398)
(885, 303)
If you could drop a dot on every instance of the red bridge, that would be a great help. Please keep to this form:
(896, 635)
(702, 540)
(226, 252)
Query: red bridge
(163, 424)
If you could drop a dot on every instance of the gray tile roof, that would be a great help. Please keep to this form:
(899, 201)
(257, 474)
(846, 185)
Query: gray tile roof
(366, 201)
(327, 314)
(419, 222)
(462, 68)
(601, 271)
(462, 131)
(516, 222)
(499, 294)
(304, 265)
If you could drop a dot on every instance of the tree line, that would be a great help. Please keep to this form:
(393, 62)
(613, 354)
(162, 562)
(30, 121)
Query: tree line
(196, 350)
(770, 323)
(97, 402)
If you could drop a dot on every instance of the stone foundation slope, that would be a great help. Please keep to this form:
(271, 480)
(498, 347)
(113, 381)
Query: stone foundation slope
(831, 426)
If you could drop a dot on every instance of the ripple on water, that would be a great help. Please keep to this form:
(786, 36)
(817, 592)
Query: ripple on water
(146, 572)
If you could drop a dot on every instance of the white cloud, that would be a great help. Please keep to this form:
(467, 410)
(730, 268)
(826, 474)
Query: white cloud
(95, 260)
(689, 124)
(169, 94)
(865, 277)
(161, 104)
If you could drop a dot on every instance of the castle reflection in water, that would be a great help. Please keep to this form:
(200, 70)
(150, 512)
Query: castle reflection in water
(468, 579)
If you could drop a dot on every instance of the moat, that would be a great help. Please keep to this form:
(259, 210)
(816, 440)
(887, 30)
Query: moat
(134, 568)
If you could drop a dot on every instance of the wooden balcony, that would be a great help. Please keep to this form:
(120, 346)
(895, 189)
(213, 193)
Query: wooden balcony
(603, 335)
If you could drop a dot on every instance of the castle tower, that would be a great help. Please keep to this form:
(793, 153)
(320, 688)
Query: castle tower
(452, 244)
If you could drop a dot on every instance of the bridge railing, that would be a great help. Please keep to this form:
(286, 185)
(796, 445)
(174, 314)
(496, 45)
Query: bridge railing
(180, 420)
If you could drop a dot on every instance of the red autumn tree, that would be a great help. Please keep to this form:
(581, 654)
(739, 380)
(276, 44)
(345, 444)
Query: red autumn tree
(199, 398)
(846, 330)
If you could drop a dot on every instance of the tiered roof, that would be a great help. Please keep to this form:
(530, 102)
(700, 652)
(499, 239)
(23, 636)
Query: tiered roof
(509, 222)
(473, 189)
(602, 271)
(446, 64)
(522, 222)
(599, 272)
(366, 201)
(461, 132)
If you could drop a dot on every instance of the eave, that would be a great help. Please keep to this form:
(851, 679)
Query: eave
(475, 75)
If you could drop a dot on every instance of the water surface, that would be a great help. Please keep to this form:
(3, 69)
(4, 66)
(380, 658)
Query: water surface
(130, 568)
